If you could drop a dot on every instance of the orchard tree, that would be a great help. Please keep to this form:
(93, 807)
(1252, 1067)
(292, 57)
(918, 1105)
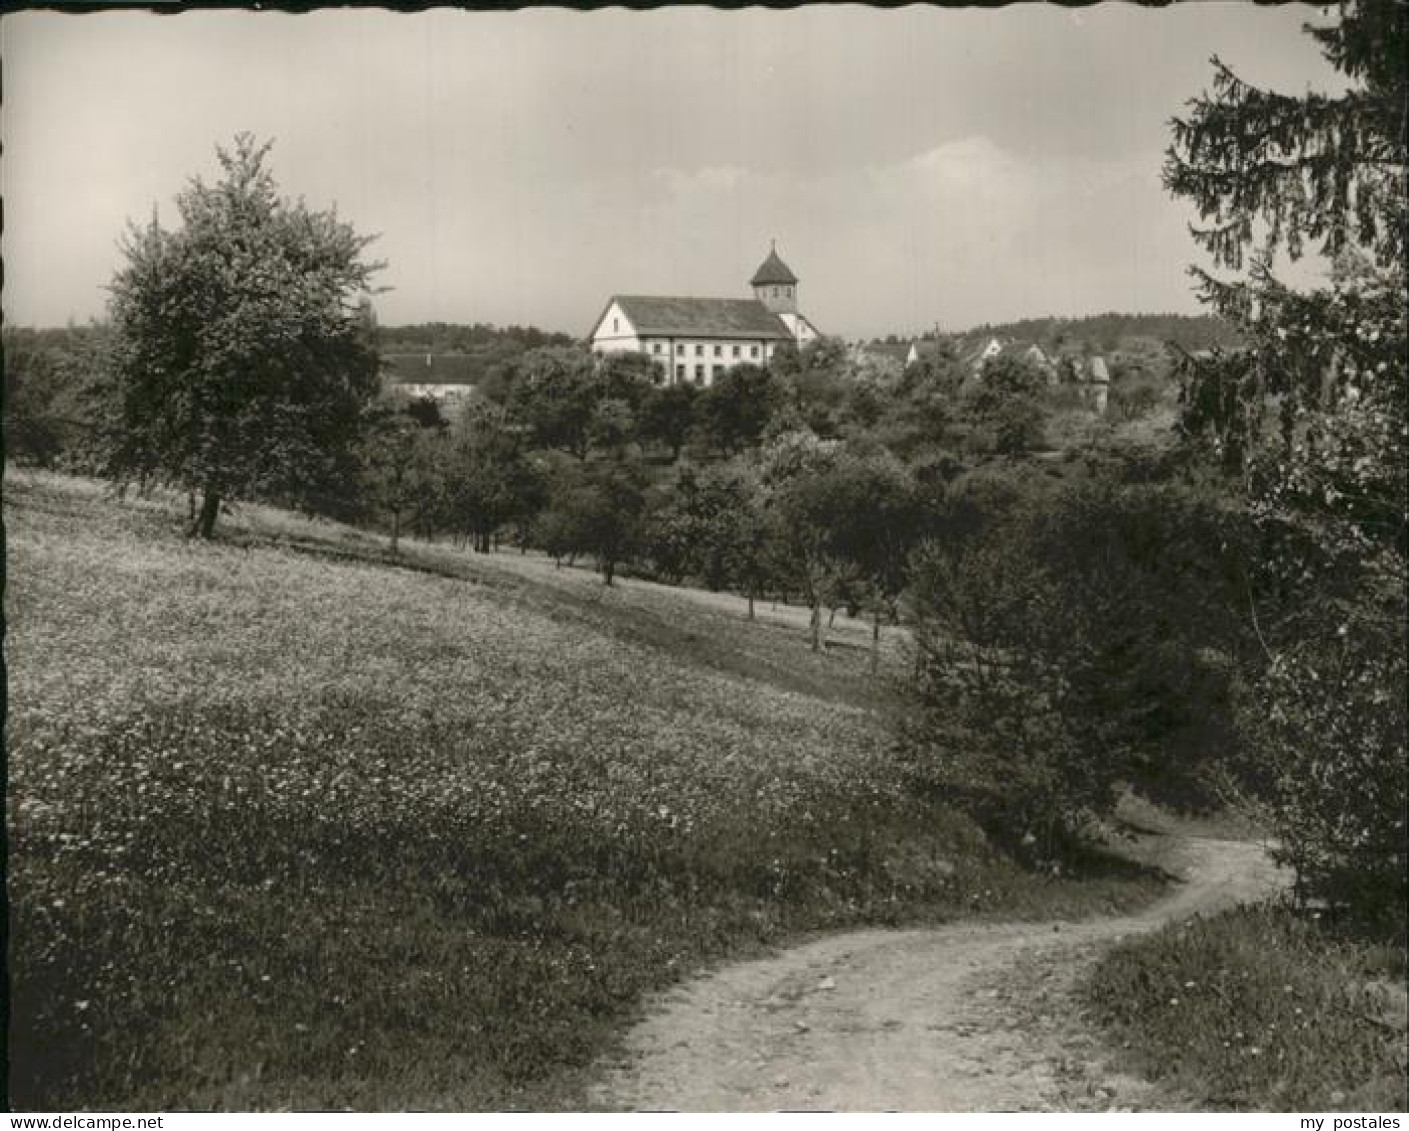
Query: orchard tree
(736, 410)
(875, 519)
(628, 376)
(702, 528)
(796, 471)
(241, 366)
(821, 385)
(555, 393)
(667, 415)
(1006, 402)
(1310, 418)
(595, 507)
(388, 458)
(49, 414)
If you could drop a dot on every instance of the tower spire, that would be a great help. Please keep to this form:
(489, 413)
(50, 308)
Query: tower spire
(774, 284)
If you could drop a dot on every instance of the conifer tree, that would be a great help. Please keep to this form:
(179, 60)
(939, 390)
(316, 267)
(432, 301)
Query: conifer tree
(1311, 419)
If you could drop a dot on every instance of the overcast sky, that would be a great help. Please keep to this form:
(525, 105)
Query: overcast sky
(915, 166)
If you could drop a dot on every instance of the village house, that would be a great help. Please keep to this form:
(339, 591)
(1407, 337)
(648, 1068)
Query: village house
(696, 339)
(442, 377)
(924, 349)
(979, 356)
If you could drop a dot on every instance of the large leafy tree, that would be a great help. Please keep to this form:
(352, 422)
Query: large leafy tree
(241, 366)
(1006, 403)
(555, 392)
(1311, 419)
(668, 414)
(736, 410)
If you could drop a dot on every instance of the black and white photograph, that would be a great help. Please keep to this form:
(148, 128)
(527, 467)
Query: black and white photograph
(690, 559)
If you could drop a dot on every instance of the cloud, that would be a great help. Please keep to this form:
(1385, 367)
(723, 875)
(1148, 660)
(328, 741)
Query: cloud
(914, 164)
(965, 231)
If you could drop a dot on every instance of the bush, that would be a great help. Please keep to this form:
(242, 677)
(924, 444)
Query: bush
(1137, 395)
(1328, 725)
(1069, 642)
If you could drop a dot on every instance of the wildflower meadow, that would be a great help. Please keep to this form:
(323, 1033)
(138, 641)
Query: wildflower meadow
(290, 826)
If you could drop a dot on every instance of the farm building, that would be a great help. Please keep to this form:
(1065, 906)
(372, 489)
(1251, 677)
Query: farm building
(697, 339)
(445, 378)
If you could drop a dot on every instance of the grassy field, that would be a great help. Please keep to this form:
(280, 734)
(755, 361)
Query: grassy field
(291, 825)
(1259, 1009)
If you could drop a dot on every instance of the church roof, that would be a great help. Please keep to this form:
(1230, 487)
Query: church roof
(657, 316)
(772, 270)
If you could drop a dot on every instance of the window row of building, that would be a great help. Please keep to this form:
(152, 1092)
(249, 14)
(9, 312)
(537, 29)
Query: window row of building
(681, 348)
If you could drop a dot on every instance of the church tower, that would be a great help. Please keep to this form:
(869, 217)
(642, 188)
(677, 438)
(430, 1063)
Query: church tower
(774, 284)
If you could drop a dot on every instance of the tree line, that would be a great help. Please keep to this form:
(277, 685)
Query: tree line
(1112, 331)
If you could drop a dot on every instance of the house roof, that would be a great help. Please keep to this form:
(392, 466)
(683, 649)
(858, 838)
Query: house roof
(657, 316)
(925, 348)
(772, 270)
(896, 351)
(1020, 347)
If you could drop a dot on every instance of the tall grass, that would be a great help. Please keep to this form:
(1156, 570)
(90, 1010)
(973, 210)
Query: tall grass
(1259, 1009)
(309, 829)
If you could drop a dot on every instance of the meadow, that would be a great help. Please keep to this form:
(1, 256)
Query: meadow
(294, 824)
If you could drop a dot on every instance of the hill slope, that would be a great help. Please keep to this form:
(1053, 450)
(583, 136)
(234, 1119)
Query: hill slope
(329, 831)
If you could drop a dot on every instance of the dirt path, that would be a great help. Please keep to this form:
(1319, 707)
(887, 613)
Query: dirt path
(955, 1018)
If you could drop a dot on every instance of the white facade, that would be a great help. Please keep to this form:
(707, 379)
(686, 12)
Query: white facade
(615, 334)
(696, 340)
(801, 329)
(685, 359)
(699, 361)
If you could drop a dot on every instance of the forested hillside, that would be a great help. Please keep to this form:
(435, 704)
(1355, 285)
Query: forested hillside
(457, 354)
(1111, 331)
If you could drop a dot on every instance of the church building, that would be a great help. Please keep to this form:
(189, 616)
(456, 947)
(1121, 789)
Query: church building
(696, 339)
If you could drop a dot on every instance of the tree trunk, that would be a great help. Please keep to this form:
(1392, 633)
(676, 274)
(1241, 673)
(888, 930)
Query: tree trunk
(816, 626)
(608, 569)
(204, 526)
(875, 640)
(832, 618)
(395, 533)
(750, 605)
